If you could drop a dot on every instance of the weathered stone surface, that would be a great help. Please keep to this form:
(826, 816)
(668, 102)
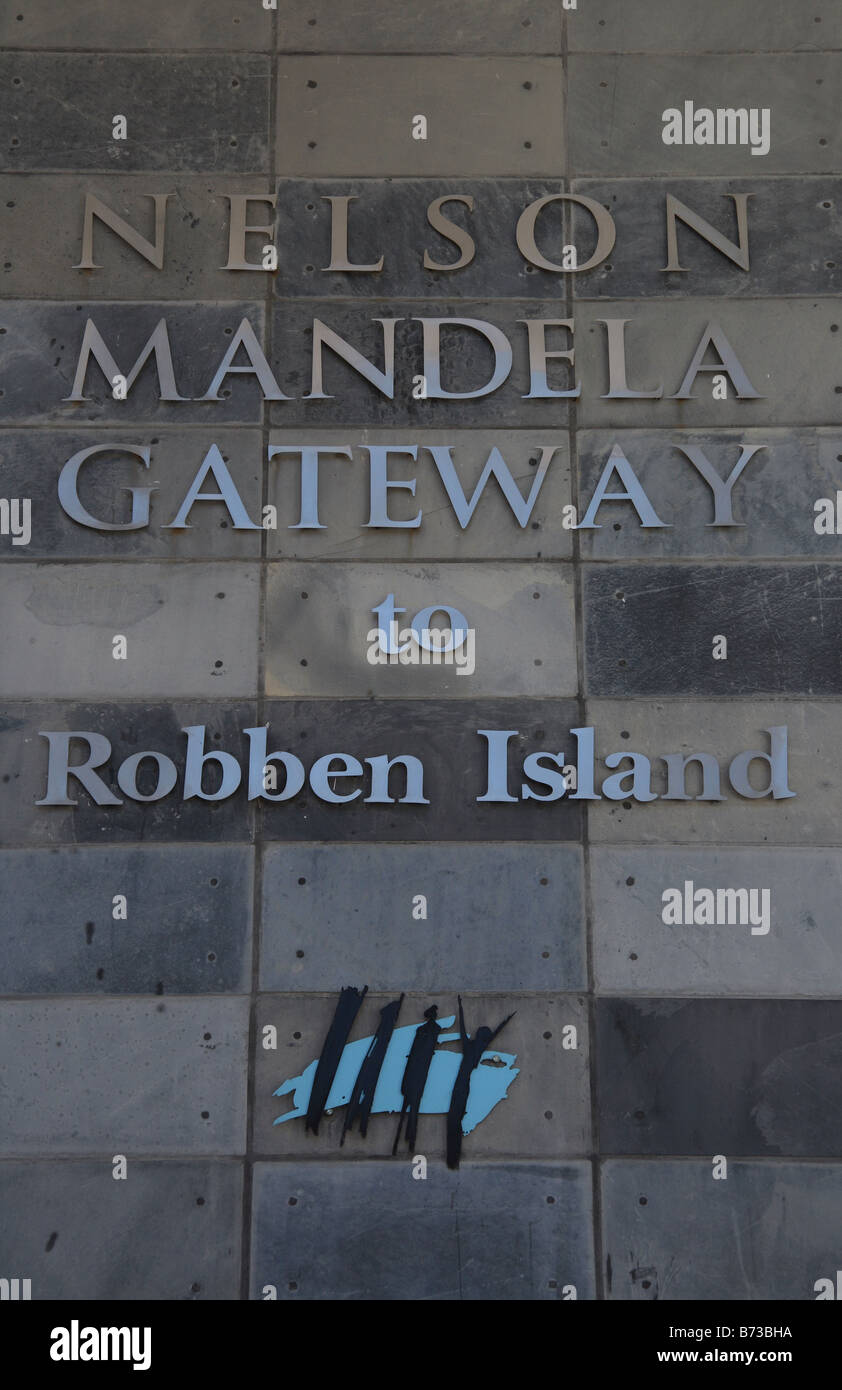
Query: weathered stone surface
(41, 348)
(443, 735)
(31, 462)
(545, 1113)
(170, 1231)
(441, 26)
(187, 927)
(793, 232)
(773, 499)
(803, 128)
(501, 918)
(388, 219)
(130, 728)
(683, 26)
(59, 622)
(191, 114)
(367, 1231)
(724, 729)
(467, 364)
(635, 952)
(768, 1231)
(785, 347)
(320, 618)
(113, 1076)
(195, 245)
(348, 115)
(782, 625)
(119, 24)
(493, 532)
(764, 1076)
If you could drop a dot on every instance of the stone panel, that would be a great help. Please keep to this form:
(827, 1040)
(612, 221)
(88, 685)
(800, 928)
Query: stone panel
(183, 634)
(320, 618)
(619, 102)
(130, 728)
(347, 115)
(546, 1112)
(764, 1076)
(42, 345)
(62, 109)
(116, 1076)
(186, 930)
(488, 1232)
(782, 625)
(501, 918)
(170, 1231)
(773, 500)
(724, 729)
(672, 1232)
(493, 532)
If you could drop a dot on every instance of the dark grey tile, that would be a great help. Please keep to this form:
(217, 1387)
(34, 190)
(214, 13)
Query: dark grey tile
(782, 624)
(184, 928)
(41, 351)
(130, 729)
(368, 1231)
(442, 734)
(748, 1076)
(31, 463)
(171, 1230)
(182, 113)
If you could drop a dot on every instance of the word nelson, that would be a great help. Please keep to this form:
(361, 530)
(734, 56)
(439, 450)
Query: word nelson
(150, 775)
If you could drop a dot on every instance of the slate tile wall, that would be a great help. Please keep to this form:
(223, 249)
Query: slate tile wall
(149, 950)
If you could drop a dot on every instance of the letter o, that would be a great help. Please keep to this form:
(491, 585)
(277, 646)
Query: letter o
(606, 231)
(458, 626)
(127, 776)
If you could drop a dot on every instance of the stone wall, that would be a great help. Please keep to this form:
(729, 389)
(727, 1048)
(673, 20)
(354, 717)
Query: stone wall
(150, 948)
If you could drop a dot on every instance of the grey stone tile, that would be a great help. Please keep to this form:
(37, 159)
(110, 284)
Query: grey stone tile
(221, 24)
(130, 728)
(42, 346)
(171, 1230)
(354, 115)
(635, 952)
(31, 462)
(443, 735)
(718, 26)
(441, 26)
(619, 101)
(367, 1231)
(195, 245)
(389, 219)
(782, 624)
(61, 112)
(672, 1232)
(723, 729)
(58, 624)
(785, 347)
(773, 498)
(123, 1076)
(709, 1076)
(183, 904)
(348, 910)
(793, 233)
(544, 1112)
(493, 532)
(320, 618)
(467, 365)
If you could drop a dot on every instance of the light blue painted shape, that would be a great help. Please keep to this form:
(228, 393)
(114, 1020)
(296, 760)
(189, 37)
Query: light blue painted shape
(490, 1082)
